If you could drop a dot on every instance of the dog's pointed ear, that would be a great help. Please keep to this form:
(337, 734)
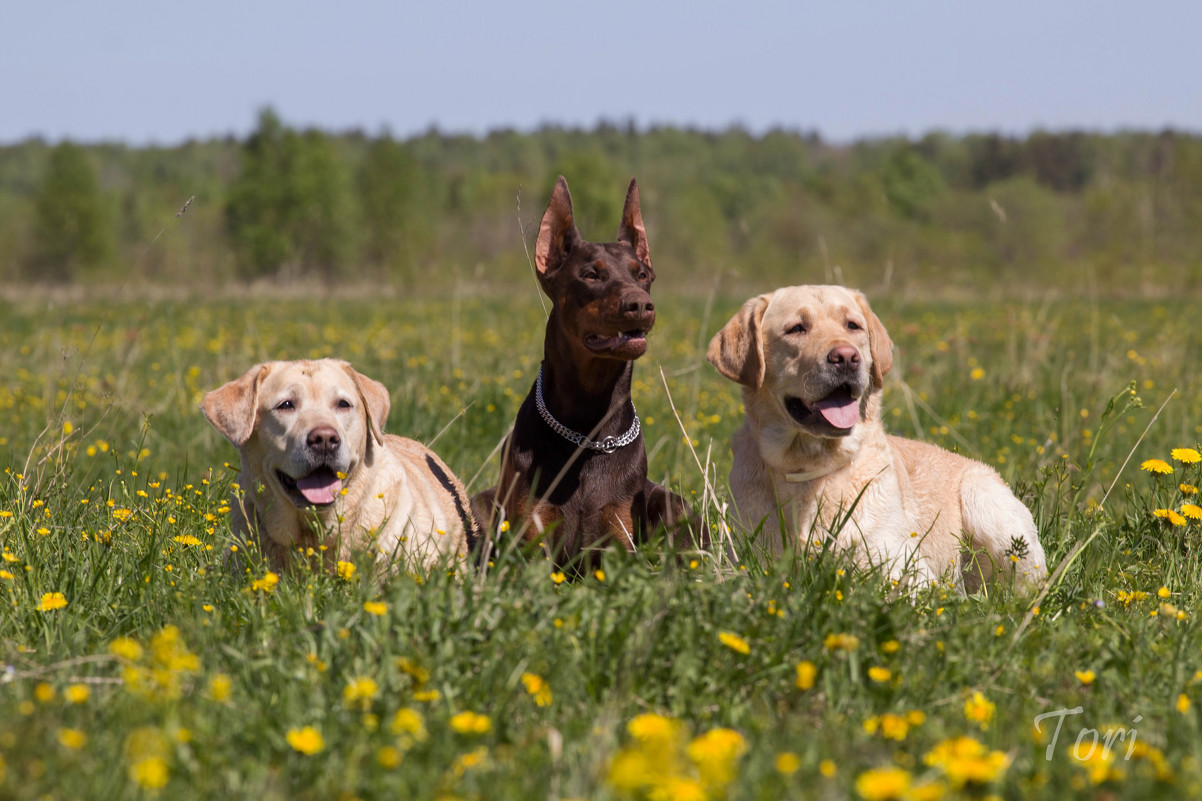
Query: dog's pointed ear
(233, 408)
(632, 231)
(376, 401)
(557, 233)
(880, 346)
(738, 349)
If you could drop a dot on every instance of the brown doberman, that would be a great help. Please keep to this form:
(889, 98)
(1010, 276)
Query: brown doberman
(574, 469)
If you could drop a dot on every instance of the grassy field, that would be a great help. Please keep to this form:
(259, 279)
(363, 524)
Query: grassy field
(132, 662)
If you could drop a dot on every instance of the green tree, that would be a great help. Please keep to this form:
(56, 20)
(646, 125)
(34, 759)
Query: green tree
(70, 231)
(288, 210)
(390, 188)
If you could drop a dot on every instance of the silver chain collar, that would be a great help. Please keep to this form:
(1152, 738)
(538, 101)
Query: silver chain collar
(607, 445)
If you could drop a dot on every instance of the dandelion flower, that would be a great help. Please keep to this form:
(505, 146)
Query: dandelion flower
(220, 688)
(1192, 511)
(1156, 466)
(1183, 703)
(841, 642)
(74, 739)
(558, 577)
(265, 584)
(1176, 518)
(307, 741)
(1086, 677)
(360, 691)
(376, 608)
(345, 570)
(1186, 455)
(806, 673)
(408, 721)
(650, 728)
(715, 753)
(1187, 489)
(879, 674)
(471, 723)
(734, 642)
(883, 784)
(537, 686)
(786, 763)
(77, 693)
(51, 601)
(979, 709)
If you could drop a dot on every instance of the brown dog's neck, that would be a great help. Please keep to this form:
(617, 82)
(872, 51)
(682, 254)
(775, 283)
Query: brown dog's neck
(591, 398)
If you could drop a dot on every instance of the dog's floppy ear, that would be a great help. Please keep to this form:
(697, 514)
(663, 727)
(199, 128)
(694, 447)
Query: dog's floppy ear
(879, 344)
(557, 233)
(738, 349)
(375, 399)
(632, 230)
(233, 408)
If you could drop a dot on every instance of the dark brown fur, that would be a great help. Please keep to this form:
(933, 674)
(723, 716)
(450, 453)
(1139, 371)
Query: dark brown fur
(552, 491)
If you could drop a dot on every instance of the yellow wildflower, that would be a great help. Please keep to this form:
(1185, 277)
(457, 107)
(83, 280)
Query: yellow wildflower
(879, 674)
(715, 753)
(1186, 455)
(1183, 703)
(360, 691)
(1156, 466)
(734, 642)
(471, 723)
(558, 577)
(966, 761)
(537, 686)
(786, 763)
(408, 721)
(220, 688)
(806, 673)
(883, 784)
(265, 584)
(77, 693)
(307, 741)
(841, 642)
(146, 751)
(51, 601)
(1086, 677)
(979, 709)
(376, 608)
(1192, 511)
(72, 738)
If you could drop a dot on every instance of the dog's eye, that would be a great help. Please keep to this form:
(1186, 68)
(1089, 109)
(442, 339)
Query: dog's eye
(590, 275)
(284, 406)
(643, 276)
(852, 325)
(797, 329)
(343, 403)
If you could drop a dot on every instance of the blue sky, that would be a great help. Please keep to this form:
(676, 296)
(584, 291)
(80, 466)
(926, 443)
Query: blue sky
(162, 72)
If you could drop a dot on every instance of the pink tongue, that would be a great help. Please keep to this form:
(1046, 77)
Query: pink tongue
(319, 487)
(841, 411)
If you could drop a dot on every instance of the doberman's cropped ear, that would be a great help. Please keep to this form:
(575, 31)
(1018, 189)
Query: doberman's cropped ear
(880, 346)
(376, 401)
(233, 408)
(738, 349)
(632, 231)
(557, 233)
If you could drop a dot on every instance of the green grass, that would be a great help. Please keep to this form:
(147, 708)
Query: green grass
(114, 494)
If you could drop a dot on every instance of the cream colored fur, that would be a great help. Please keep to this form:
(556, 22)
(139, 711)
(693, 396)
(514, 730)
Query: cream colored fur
(914, 508)
(393, 501)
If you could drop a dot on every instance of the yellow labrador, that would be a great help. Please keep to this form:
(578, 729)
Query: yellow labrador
(317, 470)
(813, 451)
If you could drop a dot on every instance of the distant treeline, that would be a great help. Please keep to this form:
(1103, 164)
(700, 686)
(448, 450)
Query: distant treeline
(1115, 212)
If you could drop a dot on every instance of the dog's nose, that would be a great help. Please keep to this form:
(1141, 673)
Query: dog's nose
(843, 354)
(639, 303)
(323, 439)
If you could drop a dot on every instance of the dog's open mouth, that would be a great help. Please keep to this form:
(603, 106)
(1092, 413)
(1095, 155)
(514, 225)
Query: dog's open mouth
(319, 488)
(624, 341)
(839, 411)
